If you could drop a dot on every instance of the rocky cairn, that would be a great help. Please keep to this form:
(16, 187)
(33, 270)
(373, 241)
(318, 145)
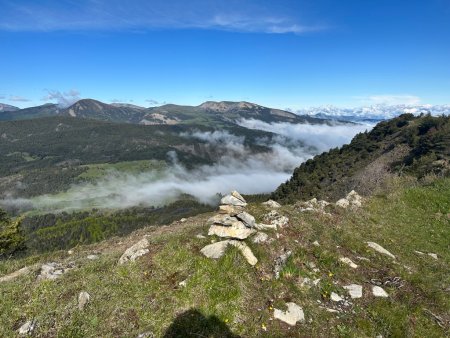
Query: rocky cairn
(233, 224)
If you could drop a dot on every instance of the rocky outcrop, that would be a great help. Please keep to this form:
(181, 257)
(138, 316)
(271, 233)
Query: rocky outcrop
(53, 270)
(16, 274)
(272, 204)
(352, 200)
(313, 205)
(276, 220)
(137, 250)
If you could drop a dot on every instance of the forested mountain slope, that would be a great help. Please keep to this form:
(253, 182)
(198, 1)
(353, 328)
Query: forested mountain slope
(407, 144)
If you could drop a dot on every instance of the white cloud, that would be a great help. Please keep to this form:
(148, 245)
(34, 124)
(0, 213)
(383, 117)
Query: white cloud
(390, 99)
(236, 167)
(63, 99)
(139, 15)
(17, 98)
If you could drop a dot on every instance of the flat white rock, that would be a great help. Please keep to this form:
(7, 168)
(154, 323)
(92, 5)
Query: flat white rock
(238, 231)
(380, 249)
(349, 262)
(291, 316)
(231, 200)
(215, 250)
(354, 290)
(245, 251)
(335, 297)
(378, 291)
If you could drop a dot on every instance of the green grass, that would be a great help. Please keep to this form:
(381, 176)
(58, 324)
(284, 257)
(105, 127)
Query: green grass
(229, 294)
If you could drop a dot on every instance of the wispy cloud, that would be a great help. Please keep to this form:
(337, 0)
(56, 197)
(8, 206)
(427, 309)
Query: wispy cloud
(17, 98)
(64, 99)
(388, 99)
(231, 15)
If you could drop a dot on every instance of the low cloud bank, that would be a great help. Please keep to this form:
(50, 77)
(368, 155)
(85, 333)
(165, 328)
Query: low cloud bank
(239, 168)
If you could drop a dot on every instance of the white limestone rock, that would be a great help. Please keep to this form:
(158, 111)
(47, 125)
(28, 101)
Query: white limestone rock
(245, 251)
(137, 250)
(234, 199)
(335, 297)
(215, 250)
(378, 291)
(354, 290)
(27, 328)
(53, 270)
(291, 316)
(83, 300)
(247, 219)
(349, 262)
(260, 237)
(272, 204)
(237, 231)
(380, 249)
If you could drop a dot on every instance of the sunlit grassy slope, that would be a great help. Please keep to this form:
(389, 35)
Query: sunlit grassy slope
(227, 297)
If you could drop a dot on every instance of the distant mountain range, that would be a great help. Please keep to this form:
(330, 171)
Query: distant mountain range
(372, 114)
(6, 108)
(209, 113)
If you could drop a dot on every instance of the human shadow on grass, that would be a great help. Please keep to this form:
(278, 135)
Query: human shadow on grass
(193, 323)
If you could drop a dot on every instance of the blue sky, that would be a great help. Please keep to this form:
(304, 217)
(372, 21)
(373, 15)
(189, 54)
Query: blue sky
(284, 53)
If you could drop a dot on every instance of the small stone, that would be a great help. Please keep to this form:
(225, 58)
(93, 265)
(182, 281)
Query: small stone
(183, 283)
(245, 251)
(83, 300)
(231, 200)
(238, 231)
(92, 257)
(380, 249)
(291, 316)
(262, 226)
(135, 251)
(247, 219)
(433, 255)
(183, 220)
(349, 262)
(419, 252)
(215, 250)
(354, 290)
(200, 236)
(378, 291)
(316, 243)
(272, 204)
(27, 328)
(260, 237)
(335, 297)
(237, 195)
(230, 210)
(70, 252)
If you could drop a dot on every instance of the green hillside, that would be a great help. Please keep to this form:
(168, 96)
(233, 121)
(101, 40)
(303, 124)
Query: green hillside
(405, 145)
(174, 291)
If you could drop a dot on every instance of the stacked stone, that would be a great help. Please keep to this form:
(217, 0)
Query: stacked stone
(234, 224)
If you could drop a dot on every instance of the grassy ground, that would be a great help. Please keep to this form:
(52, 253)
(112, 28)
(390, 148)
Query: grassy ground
(227, 297)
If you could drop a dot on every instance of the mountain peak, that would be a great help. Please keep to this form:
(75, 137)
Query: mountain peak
(6, 107)
(223, 106)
